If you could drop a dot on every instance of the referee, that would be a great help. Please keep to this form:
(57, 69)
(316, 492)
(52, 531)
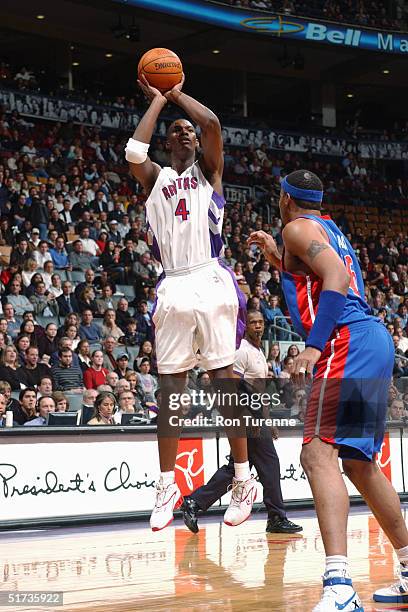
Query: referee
(250, 363)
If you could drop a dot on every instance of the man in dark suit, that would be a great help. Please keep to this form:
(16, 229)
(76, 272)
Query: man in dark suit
(67, 301)
(99, 205)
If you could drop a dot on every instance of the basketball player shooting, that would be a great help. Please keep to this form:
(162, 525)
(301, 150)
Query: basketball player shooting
(199, 307)
(350, 355)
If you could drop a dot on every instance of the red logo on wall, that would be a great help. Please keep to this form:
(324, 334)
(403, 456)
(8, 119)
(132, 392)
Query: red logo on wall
(189, 467)
(384, 457)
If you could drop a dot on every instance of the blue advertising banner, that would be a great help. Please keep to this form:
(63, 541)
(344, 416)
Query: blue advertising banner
(283, 26)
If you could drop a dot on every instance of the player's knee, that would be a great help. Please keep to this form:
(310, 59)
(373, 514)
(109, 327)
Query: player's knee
(316, 456)
(355, 470)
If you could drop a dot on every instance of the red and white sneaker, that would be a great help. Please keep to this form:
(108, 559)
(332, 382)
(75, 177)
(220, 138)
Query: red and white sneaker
(168, 498)
(243, 495)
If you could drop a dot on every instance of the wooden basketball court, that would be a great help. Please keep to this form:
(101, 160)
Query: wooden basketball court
(127, 567)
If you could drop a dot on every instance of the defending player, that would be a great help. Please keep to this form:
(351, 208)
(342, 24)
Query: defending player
(351, 355)
(199, 306)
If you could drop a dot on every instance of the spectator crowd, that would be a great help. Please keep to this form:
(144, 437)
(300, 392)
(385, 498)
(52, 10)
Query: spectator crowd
(78, 277)
(367, 13)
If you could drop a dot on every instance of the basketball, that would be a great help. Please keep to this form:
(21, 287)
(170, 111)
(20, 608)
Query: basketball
(162, 68)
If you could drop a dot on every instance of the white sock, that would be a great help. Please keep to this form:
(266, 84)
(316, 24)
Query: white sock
(167, 478)
(242, 471)
(337, 564)
(402, 554)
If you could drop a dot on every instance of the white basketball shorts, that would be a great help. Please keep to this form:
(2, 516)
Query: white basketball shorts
(197, 309)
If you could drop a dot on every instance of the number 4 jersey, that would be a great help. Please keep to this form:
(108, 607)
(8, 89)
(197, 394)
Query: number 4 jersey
(185, 218)
(302, 292)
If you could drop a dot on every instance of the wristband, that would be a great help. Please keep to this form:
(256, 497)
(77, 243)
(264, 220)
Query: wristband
(136, 151)
(331, 306)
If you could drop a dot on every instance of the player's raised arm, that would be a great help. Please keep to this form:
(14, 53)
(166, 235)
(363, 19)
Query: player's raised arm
(140, 164)
(211, 136)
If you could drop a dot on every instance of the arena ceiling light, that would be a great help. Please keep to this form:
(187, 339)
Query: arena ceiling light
(75, 64)
(350, 95)
(108, 55)
(216, 51)
(40, 17)
(386, 71)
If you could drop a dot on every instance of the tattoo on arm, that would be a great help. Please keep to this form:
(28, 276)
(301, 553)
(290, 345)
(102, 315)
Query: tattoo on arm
(315, 248)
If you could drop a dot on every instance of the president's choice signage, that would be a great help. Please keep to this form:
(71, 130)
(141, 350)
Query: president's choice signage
(284, 26)
(74, 477)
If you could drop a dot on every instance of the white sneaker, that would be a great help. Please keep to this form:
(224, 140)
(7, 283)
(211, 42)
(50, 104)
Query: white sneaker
(338, 594)
(168, 498)
(397, 592)
(243, 495)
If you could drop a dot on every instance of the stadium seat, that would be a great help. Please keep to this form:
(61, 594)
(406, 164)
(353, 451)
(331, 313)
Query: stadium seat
(43, 321)
(127, 290)
(76, 276)
(133, 352)
(15, 394)
(96, 346)
(75, 401)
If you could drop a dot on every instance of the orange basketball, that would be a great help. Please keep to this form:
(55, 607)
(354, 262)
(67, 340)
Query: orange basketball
(162, 68)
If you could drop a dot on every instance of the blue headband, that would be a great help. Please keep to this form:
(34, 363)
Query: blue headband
(309, 195)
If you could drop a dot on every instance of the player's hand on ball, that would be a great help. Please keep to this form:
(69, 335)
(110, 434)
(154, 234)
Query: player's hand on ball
(304, 364)
(174, 93)
(149, 91)
(265, 242)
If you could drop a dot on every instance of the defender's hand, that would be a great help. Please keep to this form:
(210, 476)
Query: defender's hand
(265, 242)
(150, 92)
(304, 364)
(174, 93)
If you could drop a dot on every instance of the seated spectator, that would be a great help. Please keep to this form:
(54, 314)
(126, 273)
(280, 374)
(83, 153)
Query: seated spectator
(84, 354)
(45, 386)
(72, 332)
(48, 343)
(147, 381)
(122, 313)
(89, 282)
(95, 375)
(59, 255)
(110, 261)
(45, 405)
(29, 269)
(43, 301)
(274, 316)
(146, 351)
(131, 337)
(112, 379)
(11, 403)
(25, 411)
(13, 324)
(274, 363)
(67, 377)
(88, 329)
(9, 365)
(20, 303)
(42, 254)
(144, 320)
(397, 410)
(22, 342)
(127, 405)
(61, 401)
(106, 301)
(56, 286)
(80, 260)
(28, 329)
(3, 408)
(109, 327)
(32, 372)
(104, 408)
(122, 361)
(67, 301)
(64, 343)
(89, 246)
(87, 301)
(109, 361)
(20, 254)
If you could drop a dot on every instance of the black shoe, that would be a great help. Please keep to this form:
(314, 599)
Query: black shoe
(190, 509)
(279, 524)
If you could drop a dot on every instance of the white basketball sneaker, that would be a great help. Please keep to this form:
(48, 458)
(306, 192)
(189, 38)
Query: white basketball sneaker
(243, 495)
(338, 594)
(397, 592)
(168, 498)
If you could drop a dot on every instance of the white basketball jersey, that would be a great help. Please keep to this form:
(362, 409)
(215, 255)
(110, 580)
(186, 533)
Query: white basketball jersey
(185, 216)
